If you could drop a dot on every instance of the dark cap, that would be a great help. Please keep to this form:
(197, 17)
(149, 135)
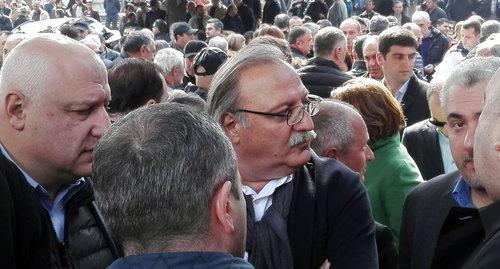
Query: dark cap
(193, 47)
(208, 61)
(180, 28)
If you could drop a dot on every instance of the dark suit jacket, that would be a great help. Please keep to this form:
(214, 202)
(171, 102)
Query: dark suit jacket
(487, 256)
(330, 217)
(421, 141)
(424, 213)
(414, 101)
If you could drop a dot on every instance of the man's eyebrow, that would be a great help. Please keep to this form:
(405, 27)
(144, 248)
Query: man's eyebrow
(454, 116)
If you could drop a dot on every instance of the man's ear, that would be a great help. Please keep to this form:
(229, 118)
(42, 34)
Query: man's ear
(330, 153)
(15, 105)
(232, 127)
(150, 102)
(223, 207)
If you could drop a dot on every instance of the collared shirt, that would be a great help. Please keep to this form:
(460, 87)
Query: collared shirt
(54, 208)
(448, 162)
(462, 194)
(401, 92)
(263, 200)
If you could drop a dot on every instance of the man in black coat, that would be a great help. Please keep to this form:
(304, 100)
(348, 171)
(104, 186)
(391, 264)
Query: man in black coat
(397, 50)
(49, 218)
(246, 15)
(302, 210)
(440, 225)
(322, 74)
(271, 9)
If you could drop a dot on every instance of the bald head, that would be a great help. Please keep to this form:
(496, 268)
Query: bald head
(41, 56)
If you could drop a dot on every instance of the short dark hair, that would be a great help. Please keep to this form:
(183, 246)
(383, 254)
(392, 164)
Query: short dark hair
(395, 36)
(358, 45)
(440, 21)
(474, 24)
(161, 25)
(218, 25)
(133, 82)
(296, 33)
(135, 41)
(282, 20)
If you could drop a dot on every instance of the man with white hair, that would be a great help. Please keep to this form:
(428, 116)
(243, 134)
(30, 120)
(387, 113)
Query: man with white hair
(434, 44)
(171, 62)
(48, 132)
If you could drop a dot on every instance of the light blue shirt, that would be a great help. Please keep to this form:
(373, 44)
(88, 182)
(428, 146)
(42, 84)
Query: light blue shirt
(448, 162)
(401, 92)
(54, 208)
(461, 194)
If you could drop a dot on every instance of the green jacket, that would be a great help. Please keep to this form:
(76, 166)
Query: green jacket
(388, 179)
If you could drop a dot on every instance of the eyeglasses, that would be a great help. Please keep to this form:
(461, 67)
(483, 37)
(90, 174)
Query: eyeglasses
(437, 123)
(295, 114)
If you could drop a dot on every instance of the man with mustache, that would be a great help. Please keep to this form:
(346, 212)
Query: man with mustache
(441, 226)
(302, 210)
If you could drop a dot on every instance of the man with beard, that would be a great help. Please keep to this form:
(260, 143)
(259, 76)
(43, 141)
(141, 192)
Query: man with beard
(441, 226)
(302, 210)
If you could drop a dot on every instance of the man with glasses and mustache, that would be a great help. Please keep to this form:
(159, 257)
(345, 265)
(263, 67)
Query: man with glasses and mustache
(427, 140)
(441, 226)
(302, 210)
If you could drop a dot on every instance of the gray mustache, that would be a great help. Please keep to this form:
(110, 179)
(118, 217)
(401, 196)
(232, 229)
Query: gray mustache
(298, 138)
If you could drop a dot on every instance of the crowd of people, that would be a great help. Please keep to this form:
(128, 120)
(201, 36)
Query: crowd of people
(240, 134)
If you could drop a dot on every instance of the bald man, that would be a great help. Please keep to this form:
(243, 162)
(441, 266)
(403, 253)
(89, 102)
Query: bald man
(50, 122)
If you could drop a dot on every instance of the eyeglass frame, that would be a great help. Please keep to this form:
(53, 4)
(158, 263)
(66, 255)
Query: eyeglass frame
(312, 106)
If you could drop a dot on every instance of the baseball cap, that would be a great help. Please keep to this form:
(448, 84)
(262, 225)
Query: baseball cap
(193, 47)
(208, 61)
(180, 28)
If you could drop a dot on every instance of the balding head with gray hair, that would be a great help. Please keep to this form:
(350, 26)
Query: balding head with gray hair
(333, 126)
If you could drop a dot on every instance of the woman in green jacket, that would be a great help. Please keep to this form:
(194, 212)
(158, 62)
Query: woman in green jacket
(393, 173)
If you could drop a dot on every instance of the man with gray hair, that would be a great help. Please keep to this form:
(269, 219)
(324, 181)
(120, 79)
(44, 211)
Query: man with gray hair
(165, 204)
(441, 227)
(171, 62)
(301, 210)
(323, 73)
(342, 134)
(50, 124)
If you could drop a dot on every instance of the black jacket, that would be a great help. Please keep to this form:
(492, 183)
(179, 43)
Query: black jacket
(321, 76)
(415, 106)
(438, 47)
(247, 17)
(421, 141)
(234, 24)
(271, 9)
(28, 237)
(330, 217)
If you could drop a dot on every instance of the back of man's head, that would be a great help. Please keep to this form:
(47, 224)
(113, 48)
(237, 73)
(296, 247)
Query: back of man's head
(326, 40)
(378, 24)
(160, 197)
(395, 36)
(489, 27)
(133, 83)
(282, 21)
(218, 42)
(168, 59)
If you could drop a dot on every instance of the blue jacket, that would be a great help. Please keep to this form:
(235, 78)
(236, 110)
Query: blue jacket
(181, 260)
